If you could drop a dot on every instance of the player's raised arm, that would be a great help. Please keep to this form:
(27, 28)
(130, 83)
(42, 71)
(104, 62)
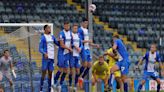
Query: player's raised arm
(94, 45)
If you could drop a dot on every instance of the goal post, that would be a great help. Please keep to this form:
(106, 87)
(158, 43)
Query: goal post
(27, 33)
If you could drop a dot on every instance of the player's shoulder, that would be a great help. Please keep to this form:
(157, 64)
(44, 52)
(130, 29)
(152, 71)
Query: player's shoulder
(80, 29)
(95, 63)
(42, 36)
(105, 63)
(61, 33)
(110, 49)
(118, 40)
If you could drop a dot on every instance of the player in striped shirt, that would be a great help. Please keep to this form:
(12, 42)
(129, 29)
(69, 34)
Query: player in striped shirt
(151, 58)
(75, 61)
(85, 52)
(46, 48)
(64, 54)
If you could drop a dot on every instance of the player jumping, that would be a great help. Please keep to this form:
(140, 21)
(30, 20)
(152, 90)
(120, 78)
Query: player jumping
(5, 63)
(113, 57)
(64, 54)
(75, 61)
(85, 53)
(151, 58)
(123, 64)
(46, 48)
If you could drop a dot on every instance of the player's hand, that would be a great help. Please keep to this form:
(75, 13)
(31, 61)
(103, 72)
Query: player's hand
(90, 41)
(70, 49)
(137, 67)
(78, 49)
(97, 46)
(46, 56)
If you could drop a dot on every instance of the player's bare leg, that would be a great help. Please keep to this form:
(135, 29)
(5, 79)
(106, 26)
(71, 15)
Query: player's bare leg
(70, 79)
(141, 84)
(42, 79)
(87, 65)
(65, 71)
(125, 82)
(76, 78)
(49, 80)
(94, 81)
(57, 75)
(120, 84)
(112, 70)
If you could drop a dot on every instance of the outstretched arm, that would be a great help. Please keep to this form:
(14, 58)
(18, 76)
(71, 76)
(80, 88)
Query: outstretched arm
(142, 59)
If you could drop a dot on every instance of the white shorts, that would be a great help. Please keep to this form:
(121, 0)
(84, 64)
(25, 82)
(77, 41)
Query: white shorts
(7, 74)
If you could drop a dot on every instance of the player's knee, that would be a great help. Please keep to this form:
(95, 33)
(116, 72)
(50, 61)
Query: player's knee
(77, 71)
(43, 74)
(158, 81)
(111, 70)
(143, 82)
(71, 72)
(65, 70)
(11, 83)
(93, 82)
(89, 65)
(84, 64)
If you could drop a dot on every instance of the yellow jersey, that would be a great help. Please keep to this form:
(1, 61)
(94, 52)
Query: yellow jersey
(100, 69)
(112, 61)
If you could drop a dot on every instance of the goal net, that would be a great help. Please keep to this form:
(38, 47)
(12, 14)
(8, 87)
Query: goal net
(22, 40)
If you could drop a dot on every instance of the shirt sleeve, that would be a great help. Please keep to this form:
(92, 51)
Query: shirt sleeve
(41, 45)
(61, 37)
(81, 45)
(145, 56)
(55, 41)
(158, 59)
(94, 68)
(116, 42)
(80, 32)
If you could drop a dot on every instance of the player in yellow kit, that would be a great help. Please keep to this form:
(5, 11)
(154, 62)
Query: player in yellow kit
(100, 72)
(112, 58)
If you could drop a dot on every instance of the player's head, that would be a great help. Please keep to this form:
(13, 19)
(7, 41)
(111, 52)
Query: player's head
(115, 36)
(47, 29)
(84, 23)
(6, 53)
(75, 28)
(66, 26)
(101, 59)
(153, 48)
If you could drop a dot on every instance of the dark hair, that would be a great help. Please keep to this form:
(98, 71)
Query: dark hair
(75, 24)
(5, 51)
(45, 26)
(84, 19)
(66, 22)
